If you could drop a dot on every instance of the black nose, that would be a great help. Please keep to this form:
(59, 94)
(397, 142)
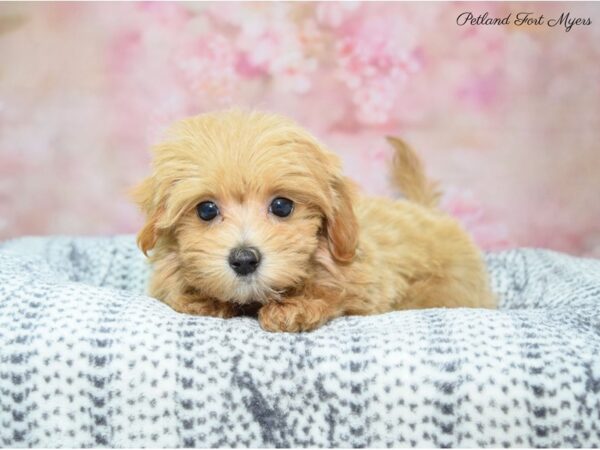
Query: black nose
(244, 260)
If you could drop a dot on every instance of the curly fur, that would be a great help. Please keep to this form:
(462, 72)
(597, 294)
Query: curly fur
(338, 253)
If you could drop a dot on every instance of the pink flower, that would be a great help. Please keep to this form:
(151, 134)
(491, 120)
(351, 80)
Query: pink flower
(271, 43)
(207, 65)
(335, 14)
(376, 58)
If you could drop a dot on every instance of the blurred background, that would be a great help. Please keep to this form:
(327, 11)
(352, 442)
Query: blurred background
(506, 117)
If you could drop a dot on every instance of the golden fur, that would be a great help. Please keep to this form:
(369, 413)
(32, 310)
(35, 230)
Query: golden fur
(338, 253)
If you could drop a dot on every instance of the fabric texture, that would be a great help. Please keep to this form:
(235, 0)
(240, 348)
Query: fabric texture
(88, 360)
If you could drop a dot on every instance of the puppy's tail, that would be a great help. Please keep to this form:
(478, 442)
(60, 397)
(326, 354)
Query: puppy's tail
(408, 175)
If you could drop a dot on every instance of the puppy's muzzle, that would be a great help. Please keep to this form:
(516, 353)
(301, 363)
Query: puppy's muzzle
(244, 260)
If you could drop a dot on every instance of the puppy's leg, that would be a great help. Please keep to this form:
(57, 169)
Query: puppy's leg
(202, 306)
(439, 292)
(209, 307)
(297, 314)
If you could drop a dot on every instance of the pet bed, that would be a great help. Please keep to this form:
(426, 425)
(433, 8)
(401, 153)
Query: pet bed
(88, 360)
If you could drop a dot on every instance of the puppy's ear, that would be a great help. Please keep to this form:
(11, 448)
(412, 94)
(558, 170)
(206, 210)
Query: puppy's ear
(341, 222)
(148, 235)
(143, 195)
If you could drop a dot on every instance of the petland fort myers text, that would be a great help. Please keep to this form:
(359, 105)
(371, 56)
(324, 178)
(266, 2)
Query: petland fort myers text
(565, 21)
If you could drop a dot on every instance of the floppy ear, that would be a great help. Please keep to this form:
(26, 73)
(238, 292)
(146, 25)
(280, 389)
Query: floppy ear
(342, 225)
(148, 235)
(143, 195)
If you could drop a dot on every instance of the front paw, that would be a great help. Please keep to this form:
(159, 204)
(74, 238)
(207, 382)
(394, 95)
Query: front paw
(208, 307)
(290, 316)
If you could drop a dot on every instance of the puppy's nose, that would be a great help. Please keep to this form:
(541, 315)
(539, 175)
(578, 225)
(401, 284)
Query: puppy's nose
(244, 260)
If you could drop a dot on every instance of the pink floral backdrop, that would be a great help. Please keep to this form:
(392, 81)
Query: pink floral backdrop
(506, 117)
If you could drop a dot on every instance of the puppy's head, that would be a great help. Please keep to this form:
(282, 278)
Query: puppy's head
(245, 200)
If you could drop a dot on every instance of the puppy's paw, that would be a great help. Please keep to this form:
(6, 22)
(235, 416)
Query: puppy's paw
(208, 307)
(292, 315)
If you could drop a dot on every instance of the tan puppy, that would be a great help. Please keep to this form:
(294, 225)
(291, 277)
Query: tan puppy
(247, 212)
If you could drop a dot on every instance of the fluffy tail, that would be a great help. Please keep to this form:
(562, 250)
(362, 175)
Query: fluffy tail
(408, 175)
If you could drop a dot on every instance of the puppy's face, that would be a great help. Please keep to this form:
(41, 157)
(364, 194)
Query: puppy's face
(246, 200)
(247, 243)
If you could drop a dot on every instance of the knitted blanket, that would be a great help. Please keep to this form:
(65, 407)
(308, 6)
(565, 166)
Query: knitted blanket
(88, 360)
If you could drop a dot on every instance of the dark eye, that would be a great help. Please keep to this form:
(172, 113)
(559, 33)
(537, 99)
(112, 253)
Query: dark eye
(281, 207)
(207, 210)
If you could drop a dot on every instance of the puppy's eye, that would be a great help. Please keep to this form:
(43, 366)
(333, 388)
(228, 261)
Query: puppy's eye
(207, 210)
(281, 207)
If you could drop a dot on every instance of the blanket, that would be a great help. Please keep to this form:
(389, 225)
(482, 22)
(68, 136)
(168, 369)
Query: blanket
(88, 360)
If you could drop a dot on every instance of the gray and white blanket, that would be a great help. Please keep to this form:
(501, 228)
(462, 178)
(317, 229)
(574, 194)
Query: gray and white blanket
(88, 360)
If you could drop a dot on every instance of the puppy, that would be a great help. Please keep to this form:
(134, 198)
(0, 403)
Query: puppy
(248, 213)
